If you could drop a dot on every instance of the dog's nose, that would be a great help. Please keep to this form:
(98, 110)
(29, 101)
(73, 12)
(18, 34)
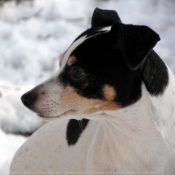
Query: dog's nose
(29, 98)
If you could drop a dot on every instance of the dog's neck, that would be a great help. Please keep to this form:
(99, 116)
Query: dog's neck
(138, 116)
(131, 135)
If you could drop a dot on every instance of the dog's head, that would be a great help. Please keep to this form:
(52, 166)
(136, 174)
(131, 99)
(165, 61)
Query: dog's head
(100, 71)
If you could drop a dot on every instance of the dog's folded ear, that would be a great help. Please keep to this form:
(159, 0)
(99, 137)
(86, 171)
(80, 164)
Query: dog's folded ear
(104, 18)
(135, 42)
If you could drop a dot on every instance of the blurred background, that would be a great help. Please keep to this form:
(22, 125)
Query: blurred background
(33, 33)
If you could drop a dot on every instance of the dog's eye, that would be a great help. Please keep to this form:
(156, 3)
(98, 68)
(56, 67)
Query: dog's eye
(77, 73)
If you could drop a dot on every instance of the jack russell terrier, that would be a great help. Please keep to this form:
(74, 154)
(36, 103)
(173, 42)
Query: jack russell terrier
(113, 106)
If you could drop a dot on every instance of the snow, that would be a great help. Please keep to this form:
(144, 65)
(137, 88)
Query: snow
(33, 34)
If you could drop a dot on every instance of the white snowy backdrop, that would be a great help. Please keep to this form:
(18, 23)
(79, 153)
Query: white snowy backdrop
(34, 33)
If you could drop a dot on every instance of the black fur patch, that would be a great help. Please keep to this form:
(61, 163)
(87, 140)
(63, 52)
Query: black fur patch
(115, 58)
(74, 130)
(155, 74)
(102, 60)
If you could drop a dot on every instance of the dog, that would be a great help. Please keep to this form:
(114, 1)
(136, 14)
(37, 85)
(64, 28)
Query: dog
(112, 104)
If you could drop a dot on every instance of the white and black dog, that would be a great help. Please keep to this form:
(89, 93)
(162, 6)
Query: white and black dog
(117, 99)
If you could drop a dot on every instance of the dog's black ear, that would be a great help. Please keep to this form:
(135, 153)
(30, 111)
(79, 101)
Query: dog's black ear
(103, 18)
(135, 42)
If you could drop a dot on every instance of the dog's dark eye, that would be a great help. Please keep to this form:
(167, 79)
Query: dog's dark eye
(76, 73)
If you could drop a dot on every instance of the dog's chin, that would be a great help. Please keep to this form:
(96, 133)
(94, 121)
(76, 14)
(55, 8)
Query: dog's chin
(66, 114)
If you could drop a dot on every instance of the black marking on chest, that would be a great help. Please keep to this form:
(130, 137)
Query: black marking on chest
(74, 130)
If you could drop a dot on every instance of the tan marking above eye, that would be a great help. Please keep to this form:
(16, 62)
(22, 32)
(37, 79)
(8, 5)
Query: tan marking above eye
(109, 92)
(71, 60)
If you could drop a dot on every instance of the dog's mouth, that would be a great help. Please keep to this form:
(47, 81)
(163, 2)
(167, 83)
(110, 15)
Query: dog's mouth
(64, 114)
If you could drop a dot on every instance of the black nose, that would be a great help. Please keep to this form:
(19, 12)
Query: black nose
(29, 98)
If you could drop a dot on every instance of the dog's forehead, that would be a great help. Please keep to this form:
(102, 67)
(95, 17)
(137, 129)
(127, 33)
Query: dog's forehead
(89, 33)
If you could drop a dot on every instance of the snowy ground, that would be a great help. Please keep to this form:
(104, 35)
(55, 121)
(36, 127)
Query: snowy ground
(32, 35)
